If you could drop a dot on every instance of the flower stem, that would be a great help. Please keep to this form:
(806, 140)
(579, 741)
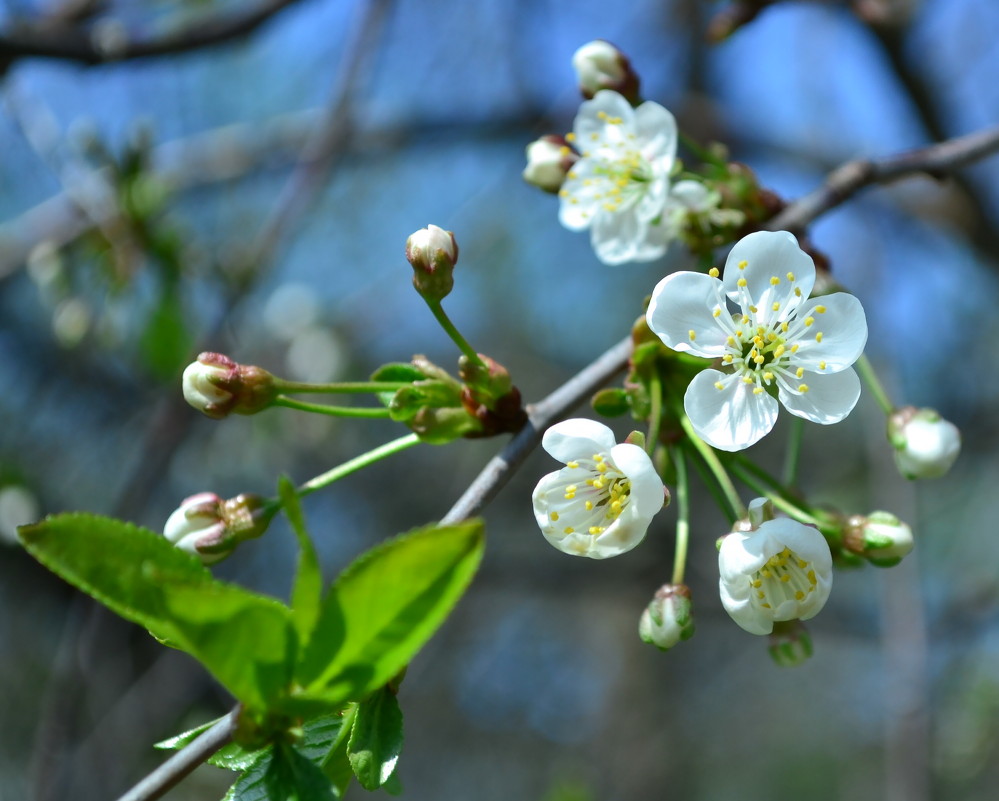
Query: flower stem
(793, 456)
(874, 384)
(345, 387)
(656, 414)
(355, 464)
(705, 155)
(334, 411)
(683, 516)
(716, 467)
(454, 333)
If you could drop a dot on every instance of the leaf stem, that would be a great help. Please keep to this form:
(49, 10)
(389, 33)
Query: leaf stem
(683, 516)
(373, 412)
(355, 464)
(453, 332)
(870, 377)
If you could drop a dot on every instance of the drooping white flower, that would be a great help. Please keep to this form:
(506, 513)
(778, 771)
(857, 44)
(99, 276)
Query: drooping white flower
(619, 187)
(926, 445)
(780, 571)
(601, 503)
(772, 336)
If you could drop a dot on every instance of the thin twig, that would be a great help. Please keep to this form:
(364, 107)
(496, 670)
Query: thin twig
(170, 773)
(87, 46)
(845, 181)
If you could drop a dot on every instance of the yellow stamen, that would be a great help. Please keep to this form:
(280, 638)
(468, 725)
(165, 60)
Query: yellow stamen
(713, 272)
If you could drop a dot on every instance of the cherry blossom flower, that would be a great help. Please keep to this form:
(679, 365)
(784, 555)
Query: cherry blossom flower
(601, 503)
(778, 339)
(619, 187)
(782, 570)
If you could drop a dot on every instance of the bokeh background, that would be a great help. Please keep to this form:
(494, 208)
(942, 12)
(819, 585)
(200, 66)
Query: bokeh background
(254, 197)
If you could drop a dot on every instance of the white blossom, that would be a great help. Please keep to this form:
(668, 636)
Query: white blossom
(926, 445)
(619, 187)
(601, 503)
(780, 571)
(549, 159)
(775, 339)
(600, 65)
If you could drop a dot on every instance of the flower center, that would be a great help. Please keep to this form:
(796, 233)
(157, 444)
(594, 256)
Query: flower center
(784, 577)
(589, 495)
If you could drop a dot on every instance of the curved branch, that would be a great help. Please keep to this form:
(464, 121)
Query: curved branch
(87, 46)
(845, 181)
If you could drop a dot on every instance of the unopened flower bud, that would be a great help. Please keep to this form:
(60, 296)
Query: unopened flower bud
(210, 528)
(600, 65)
(880, 537)
(433, 252)
(217, 386)
(790, 643)
(925, 444)
(549, 160)
(669, 618)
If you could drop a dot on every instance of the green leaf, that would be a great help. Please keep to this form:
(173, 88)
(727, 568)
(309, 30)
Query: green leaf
(306, 592)
(384, 607)
(290, 776)
(184, 739)
(249, 786)
(376, 739)
(336, 764)
(399, 372)
(245, 640)
(234, 757)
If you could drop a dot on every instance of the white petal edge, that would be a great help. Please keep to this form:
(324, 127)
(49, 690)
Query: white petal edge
(685, 302)
(577, 438)
(655, 128)
(646, 486)
(770, 254)
(829, 399)
(731, 418)
(844, 333)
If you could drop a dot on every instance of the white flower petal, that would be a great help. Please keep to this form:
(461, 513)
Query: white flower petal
(828, 400)
(579, 200)
(843, 326)
(590, 119)
(616, 236)
(731, 418)
(769, 255)
(577, 438)
(685, 302)
(655, 128)
(646, 487)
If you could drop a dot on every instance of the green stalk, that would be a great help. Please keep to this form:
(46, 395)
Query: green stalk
(656, 415)
(715, 466)
(451, 331)
(786, 505)
(374, 412)
(355, 464)
(866, 370)
(793, 457)
(344, 387)
(683, 516)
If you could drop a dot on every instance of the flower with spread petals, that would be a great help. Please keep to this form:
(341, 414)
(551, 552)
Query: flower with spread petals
(926, 445)
(601, 503)
(619, 187)
(781, 570)
(768, 336)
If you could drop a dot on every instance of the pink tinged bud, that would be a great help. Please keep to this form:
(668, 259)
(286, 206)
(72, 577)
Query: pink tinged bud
(433, 252)
(210, 528)
(880, 537)
(600, 65)
(669, 618)
(549, 160)
(217, 386)
(926, 445)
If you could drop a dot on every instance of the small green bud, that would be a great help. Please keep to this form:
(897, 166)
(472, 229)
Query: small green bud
(433, 252)
(669, 617)
(790, 643)
(880, 537)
